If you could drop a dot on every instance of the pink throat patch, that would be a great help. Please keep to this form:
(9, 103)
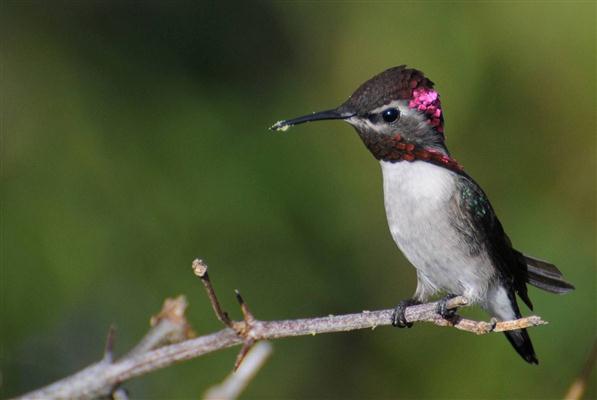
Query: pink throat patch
(427, 101)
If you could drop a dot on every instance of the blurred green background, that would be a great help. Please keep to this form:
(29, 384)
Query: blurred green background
(134, 139)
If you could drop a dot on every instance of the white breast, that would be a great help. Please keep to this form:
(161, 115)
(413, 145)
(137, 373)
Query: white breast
(417, 181)
(418, 196)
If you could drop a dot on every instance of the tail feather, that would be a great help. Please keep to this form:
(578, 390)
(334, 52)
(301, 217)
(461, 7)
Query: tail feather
(520, 340)
(546, 276)
(501, 303)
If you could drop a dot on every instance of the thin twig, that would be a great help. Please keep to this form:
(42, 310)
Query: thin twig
(200, 269)
(168, 326)
(103, 375)
(101, 378)
(244, 330)
(238, 380)
(120, 394)
(579, 386)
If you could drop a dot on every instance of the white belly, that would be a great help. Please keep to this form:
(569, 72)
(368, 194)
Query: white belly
(417, 198)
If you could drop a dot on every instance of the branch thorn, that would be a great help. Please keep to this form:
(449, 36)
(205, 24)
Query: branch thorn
(247, 345)
(247, 315)
(109, 347)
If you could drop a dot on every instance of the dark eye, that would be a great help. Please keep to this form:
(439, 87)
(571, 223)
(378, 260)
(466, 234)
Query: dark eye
(390, 114)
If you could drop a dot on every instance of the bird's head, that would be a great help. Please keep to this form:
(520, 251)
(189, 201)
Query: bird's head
(397, 114)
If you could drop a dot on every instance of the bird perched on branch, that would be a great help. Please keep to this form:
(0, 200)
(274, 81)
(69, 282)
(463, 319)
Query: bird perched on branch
(438, 215)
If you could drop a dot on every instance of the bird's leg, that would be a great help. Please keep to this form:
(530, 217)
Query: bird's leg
(442, 307)
(398, 318)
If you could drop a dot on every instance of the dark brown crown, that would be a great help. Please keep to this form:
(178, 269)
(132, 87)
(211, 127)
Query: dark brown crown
(396, 83)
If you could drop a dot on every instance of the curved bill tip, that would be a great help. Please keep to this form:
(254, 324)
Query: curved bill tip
(316, 116)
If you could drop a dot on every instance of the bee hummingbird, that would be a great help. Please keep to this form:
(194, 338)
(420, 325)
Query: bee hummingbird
(437, 214)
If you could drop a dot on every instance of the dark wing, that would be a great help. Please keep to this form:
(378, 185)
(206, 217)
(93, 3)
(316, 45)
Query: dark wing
(482, 229)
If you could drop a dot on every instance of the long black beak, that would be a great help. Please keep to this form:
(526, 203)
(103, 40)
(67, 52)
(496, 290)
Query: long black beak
(317, 116)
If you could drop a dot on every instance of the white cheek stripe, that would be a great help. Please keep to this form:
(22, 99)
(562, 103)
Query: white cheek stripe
(401, 105)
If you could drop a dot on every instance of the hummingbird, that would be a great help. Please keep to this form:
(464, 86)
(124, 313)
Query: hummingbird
(438, 216)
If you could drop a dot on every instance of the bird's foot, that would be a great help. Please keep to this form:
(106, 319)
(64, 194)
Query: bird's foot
(443, 310)
(493, 321)
(398, 318)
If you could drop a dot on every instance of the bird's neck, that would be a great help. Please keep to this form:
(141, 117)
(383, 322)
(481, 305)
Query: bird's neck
(395, 148)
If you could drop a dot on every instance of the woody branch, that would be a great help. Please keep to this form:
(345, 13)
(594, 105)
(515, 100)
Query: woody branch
(168, 341)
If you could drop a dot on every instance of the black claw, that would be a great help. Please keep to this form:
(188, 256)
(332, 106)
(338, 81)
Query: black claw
(398, 318)
(442, 307)
(493, 323)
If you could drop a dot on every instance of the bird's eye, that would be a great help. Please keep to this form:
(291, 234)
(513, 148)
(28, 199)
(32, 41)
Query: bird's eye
(390, 114)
